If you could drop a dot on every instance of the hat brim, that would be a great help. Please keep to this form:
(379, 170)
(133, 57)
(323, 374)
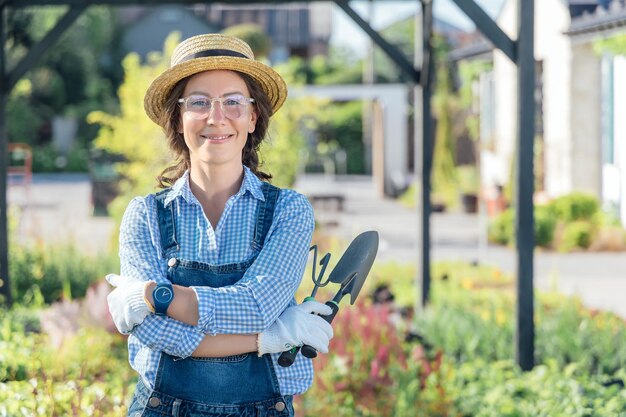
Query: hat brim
(269, 80)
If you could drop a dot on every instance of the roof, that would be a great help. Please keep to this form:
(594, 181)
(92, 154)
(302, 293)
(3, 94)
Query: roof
(608, 15)
(481, 48)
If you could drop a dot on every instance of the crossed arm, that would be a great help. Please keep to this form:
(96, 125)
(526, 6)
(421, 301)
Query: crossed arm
(200, 320)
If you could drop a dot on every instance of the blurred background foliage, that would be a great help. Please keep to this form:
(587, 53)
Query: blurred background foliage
(572, 222)
(79, 74)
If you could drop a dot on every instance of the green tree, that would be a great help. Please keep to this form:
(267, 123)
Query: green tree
(131, 133)
(253, 35)
(76, 75)
(284, 152)
(341, 127)
(402, 35)
(615, 45)
(445, 105)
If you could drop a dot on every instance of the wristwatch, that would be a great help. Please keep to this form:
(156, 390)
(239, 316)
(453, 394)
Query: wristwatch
(163, 294)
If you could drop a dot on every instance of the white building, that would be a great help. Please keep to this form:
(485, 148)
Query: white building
(580, 93)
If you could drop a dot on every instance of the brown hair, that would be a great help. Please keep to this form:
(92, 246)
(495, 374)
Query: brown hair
(170, 120)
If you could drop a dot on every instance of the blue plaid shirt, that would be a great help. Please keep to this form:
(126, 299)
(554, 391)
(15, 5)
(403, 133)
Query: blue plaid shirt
(248, 307)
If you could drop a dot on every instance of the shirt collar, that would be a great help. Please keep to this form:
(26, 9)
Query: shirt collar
(251, 183)
(181, 187)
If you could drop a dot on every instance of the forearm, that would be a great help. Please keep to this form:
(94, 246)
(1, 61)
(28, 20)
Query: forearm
(184, 306)
(168, 335)
(225, 345)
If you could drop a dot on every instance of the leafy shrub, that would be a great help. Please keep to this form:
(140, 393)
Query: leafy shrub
(499, 389)
(471, 317)
(23, 117)
(362, 355)
(575, 206)
(87, 376)
(545, 224)
(502, 228)
(576, 216)
(43, 274)
(47, 159)
(576, 235)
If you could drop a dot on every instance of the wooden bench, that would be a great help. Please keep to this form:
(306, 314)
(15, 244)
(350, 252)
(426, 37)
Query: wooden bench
(338, 200)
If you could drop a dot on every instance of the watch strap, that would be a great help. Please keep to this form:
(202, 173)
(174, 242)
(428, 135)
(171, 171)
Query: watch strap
(145, 299)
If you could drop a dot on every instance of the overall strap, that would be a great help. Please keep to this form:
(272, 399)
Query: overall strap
(265, 214)
(167, 226)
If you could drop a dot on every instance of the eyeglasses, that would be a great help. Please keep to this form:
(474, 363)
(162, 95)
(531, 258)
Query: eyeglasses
(233, 106)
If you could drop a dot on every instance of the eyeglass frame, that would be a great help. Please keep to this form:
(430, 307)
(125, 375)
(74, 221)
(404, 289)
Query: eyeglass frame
(183, 100)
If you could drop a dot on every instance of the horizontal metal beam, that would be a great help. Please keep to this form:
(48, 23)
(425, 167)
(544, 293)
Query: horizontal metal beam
(43, 45)
(488, 27)
(392, 52)
(29, 3)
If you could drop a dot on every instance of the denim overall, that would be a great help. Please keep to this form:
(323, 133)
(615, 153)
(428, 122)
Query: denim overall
(239, 385)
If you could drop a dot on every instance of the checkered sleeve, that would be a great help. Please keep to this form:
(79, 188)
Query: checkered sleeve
(270, 283)
(139, 258)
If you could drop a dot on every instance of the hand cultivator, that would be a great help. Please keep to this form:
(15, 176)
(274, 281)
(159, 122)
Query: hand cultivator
(350, 272)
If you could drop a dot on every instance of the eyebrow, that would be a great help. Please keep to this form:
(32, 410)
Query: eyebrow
(201, 93)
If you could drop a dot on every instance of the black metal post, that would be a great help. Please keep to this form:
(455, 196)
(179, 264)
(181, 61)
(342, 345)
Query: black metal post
(427, 147)
(5, 287)
(524, 221)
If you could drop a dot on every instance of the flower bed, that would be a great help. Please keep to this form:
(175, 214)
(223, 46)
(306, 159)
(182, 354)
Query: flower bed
(454, 359)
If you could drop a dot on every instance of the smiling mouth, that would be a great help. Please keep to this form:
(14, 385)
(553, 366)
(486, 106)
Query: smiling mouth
(216, 138)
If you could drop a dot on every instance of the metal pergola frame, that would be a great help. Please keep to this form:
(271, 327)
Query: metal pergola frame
(519, 51)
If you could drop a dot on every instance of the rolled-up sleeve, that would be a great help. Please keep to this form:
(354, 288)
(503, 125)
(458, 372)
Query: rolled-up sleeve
(269, 284)
(139, 258)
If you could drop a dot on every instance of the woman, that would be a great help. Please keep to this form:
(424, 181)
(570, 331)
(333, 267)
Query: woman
(210, 264)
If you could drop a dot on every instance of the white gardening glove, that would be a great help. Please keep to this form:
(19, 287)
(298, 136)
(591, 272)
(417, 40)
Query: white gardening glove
(296, 326)
(126, 302)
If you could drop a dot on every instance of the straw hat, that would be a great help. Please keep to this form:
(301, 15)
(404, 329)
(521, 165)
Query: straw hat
(212, 52)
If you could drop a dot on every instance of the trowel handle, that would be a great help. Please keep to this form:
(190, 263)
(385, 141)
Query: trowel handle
(288, 357)
(335, 307)
(309, 351)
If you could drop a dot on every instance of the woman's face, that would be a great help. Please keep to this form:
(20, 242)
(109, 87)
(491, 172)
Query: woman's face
(214, 139)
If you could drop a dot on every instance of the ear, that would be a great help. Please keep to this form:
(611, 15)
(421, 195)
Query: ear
(253, 119)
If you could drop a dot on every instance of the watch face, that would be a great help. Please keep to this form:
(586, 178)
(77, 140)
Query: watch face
(163, 294)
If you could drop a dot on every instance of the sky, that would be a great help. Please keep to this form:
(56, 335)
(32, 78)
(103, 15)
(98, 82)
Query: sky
(346, 32)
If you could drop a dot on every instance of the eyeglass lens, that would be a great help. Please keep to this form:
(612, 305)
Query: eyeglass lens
(233, 106)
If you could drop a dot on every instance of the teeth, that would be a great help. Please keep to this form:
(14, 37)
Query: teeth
(215, 137)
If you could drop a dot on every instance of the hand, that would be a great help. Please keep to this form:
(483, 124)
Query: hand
(126, 302)
(296, 326)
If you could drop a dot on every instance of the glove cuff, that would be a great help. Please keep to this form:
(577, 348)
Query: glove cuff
(266, 342)
(258, 345)
(137, 301)
(145, 298)
(274, 340)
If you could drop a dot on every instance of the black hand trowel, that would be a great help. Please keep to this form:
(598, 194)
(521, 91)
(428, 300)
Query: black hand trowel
(351, 271)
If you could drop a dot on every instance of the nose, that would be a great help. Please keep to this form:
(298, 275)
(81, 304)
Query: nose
(216, 114)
